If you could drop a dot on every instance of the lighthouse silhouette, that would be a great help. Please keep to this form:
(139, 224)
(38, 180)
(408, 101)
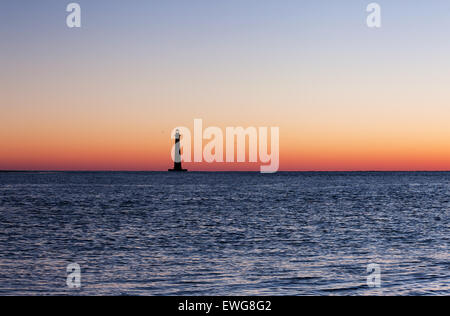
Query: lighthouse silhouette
(177, 163)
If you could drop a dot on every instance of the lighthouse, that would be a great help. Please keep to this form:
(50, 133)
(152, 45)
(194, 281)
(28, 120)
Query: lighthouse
(177, 162)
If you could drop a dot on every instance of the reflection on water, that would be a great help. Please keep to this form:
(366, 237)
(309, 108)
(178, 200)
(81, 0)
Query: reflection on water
(224, 233)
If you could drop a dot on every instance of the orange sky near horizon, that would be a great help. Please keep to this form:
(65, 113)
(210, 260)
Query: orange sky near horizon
(141, 150)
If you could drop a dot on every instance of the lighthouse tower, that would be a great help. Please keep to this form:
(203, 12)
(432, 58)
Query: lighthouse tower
(177, 162)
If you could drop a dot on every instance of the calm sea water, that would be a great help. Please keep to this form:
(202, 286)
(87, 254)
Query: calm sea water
(225, 233)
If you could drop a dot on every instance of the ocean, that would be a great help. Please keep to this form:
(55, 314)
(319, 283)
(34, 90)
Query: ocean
(159, 233)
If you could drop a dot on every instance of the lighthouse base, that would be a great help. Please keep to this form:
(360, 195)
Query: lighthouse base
(177, 168)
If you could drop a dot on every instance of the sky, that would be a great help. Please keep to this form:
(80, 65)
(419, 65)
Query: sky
(106, 96)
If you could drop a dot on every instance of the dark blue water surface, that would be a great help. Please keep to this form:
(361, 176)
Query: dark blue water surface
(224, 233)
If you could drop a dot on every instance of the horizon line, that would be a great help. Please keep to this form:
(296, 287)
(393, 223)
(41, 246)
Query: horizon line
(221, 171)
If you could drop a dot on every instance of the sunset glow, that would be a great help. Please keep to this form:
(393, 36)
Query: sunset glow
(106, 96)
